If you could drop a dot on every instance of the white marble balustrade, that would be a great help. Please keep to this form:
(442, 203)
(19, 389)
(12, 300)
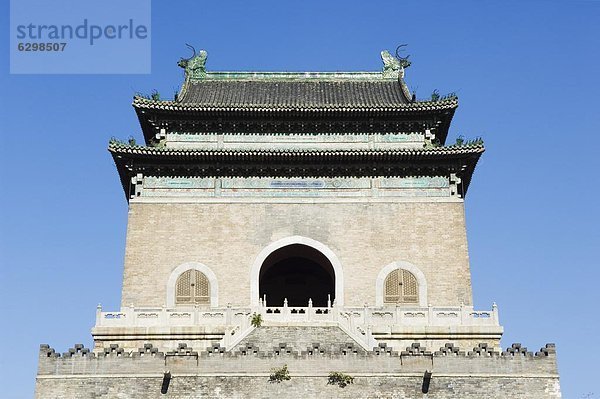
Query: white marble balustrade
(359, 316)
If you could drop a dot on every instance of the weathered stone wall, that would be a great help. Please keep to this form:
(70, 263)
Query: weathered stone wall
(365, 236)
(481, 374)
(367, 387)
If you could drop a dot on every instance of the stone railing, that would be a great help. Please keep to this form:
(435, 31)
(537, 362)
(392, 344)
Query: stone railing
(424, 316)
(378, 316)
(131, 316)
(365, 316)
(357, 322)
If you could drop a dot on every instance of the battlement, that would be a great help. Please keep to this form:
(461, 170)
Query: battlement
(381, 372)
(346, 357)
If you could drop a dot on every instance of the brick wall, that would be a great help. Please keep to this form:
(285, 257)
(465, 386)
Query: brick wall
(299, 387)
(227, 237)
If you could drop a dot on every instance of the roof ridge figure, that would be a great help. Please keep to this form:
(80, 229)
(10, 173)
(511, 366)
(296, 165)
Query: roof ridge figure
(393, 67)
(195, 66)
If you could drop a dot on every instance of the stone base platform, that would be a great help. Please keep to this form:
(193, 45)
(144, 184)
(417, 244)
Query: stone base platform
(415, 372)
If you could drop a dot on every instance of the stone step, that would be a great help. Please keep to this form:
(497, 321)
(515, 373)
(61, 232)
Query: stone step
(298, 339)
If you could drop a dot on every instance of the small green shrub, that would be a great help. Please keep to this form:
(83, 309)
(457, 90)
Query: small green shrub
(279, 375)
(340, 379)
(256, 320)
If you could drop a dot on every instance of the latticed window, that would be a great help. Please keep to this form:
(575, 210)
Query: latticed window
(401, 287)
(192, 287)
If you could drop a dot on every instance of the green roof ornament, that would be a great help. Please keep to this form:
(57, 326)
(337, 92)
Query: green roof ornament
(195, 66)
(393, 67)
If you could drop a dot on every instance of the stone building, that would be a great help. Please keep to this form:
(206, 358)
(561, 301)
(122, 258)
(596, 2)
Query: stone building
(314, 220)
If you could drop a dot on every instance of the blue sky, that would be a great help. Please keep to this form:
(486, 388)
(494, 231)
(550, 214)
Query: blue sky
(527, 76)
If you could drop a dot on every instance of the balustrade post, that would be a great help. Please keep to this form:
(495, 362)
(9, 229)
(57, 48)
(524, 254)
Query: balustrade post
(430, 315)
(286, 311)
(367, 316)
(227, 337)
(369, 336)
(163, 317)
(495, 314)
(130, 314)
(195, 316)
(228, 315)
(333, 314)
(328, 301)
(99, 315)
(309, 310)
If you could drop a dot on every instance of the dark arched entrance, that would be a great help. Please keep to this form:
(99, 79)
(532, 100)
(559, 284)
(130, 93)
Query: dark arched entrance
(299, 273)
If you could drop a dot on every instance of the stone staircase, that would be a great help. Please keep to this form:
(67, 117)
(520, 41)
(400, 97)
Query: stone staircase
(298, 340)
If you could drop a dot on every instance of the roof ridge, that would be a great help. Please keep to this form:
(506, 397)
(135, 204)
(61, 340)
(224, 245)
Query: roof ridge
(303, 75)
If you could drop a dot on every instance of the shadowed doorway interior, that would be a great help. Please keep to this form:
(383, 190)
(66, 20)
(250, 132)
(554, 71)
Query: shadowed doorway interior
(297, 272)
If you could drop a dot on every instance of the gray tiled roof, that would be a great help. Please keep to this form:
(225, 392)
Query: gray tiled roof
(311, 94)
(302, 92)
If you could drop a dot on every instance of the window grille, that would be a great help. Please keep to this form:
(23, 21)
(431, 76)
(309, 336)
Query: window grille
(192, 288)
(401, 286)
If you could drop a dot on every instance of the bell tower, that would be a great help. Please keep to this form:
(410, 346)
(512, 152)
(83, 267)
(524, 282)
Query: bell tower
(312, 219)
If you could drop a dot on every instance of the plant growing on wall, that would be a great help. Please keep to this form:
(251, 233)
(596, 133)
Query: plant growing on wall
(279, 375)
(340, 379)
(256, 320)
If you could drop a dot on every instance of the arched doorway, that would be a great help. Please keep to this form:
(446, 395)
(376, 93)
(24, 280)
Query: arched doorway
(297, 272)
(318, 247)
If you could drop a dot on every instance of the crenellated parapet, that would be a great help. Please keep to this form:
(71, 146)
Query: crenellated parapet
(448, 371)
(343, 350)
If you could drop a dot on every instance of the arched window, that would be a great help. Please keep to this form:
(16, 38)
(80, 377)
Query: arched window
(400, 286)
(193, 288)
